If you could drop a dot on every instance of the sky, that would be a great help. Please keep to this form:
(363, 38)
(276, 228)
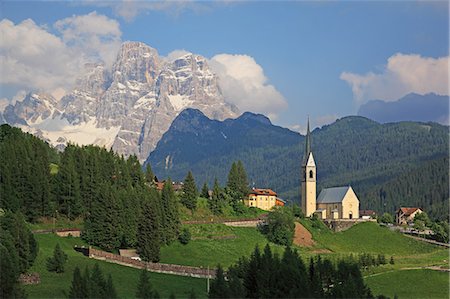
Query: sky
(285, 59)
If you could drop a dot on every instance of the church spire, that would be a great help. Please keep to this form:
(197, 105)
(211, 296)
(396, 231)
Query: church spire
(307, 143)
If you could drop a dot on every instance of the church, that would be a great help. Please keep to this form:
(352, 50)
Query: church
(332, 203)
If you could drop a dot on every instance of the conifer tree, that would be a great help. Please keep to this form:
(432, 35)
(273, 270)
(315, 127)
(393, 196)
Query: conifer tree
(205, 191)
(110, 290)
(97, 283)
(144, 289)
(102, 227)
(170, 217)
(219, 288)
(148, 240)
(190, 192)
(242, 180)
(69, 196)
(78, 287)
(56, 263)
(192, 294)
(149, 175)
(214, 203)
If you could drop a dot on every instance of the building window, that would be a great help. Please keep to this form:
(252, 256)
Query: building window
(311, 174)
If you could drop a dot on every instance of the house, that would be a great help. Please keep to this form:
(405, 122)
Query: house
(264, 199)
(177, 186)
(367, 214)
(332, 203)
(406, 215)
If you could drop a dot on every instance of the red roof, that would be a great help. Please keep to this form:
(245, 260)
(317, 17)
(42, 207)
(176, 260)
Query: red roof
(268, 192)
(408, 211)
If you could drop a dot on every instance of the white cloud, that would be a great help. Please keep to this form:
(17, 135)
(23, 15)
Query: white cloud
(33, 58)
(175, 54)
(96, 36)
(129, 9)
(404, 73)
(244, 84)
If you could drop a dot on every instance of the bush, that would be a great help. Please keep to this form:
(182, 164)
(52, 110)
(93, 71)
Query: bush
(185, 236)
(280, 226)
(297, 211)
(386, 218)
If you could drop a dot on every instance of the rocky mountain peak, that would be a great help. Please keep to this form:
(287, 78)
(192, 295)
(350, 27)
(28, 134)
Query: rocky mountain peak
(129, 106)
(136, 62)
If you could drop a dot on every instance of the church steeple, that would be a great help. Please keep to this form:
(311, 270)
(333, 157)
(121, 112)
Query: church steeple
(308, 178)
(307, 144)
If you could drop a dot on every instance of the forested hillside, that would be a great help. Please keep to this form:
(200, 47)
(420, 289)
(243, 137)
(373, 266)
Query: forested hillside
(108, 192)
(352, 151)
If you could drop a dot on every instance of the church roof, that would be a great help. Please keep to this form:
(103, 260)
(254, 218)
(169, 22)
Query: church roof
(332, 195)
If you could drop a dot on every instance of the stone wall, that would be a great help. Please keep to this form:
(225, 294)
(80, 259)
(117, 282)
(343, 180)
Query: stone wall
(344, 224)
(153, 267)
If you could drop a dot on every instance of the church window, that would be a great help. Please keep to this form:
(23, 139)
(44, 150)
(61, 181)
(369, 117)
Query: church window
(311, 174)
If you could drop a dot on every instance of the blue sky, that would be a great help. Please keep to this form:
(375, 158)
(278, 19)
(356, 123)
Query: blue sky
(323, 58)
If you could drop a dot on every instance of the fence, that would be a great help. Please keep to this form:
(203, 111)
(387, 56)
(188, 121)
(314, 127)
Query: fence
(153, 267)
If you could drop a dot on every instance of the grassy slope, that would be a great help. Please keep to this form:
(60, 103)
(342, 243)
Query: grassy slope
(411, 284)
(389, 279)
(125, 278)
(204, 251)
(368, 237)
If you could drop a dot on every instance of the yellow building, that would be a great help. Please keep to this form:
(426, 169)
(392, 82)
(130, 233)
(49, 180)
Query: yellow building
(264, 199)
(332, 203)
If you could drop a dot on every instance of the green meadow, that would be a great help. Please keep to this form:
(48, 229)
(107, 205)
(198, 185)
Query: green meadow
(418, 283)
(213, 244)
(125, 278)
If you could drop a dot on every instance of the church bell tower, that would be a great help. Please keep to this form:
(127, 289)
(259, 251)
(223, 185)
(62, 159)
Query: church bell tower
(308, 178)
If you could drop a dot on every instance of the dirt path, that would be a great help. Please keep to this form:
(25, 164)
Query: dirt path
(434, 268)
(302, 236)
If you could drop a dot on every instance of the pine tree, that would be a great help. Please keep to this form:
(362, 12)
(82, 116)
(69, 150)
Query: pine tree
(69, 196)
(110, 290)
(170, 217)
(78, 287)
(242, 180)
(102, 227)
(205, 191)
(192, 294)
(190, 192)
(219, 288)
(148, 241)
(97, 283)
(214, 203)
(149, 175)
(144, 289)
(56, 263)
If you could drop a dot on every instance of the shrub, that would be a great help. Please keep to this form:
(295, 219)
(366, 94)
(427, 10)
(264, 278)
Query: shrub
(185, 236)
(280, 226)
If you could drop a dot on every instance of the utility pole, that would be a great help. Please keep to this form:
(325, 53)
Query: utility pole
(207, 281)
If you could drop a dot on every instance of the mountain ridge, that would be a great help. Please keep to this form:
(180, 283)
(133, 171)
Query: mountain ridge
(411, 107)
(351, 151)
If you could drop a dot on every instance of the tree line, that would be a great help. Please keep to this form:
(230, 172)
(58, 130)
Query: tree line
(18, 250)
(267, 275)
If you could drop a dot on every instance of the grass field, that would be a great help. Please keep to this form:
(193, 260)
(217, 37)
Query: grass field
(125, 278)
(205, 251)
(406, 284)
(368, 237)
